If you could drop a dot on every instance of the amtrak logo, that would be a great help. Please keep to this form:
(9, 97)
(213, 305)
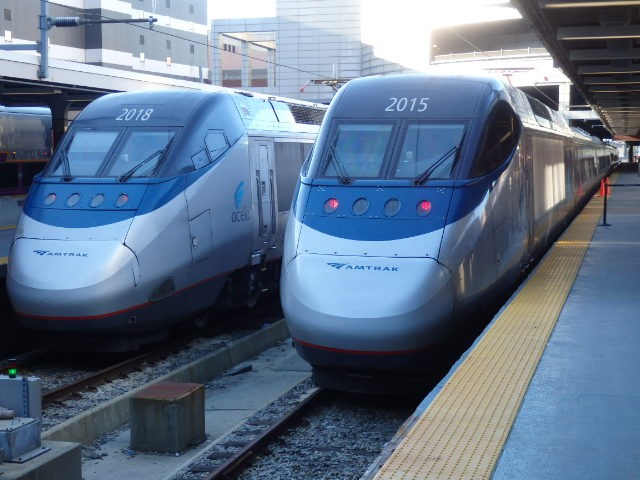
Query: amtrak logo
(372, 268)
(49, 253)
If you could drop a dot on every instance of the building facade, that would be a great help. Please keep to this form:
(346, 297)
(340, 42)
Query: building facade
(307, 51)
(176, 46)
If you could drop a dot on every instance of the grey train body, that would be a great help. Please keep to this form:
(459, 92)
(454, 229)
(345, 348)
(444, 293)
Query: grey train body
(156, 206)
(382, 266)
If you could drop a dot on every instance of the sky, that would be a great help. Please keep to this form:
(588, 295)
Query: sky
(430, 11)
(241, 8)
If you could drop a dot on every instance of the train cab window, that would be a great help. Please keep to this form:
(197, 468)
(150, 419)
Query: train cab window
(84, 154)
(428, 150)
(500, 138)
(140, 154)
(216, 143)
(357, 150)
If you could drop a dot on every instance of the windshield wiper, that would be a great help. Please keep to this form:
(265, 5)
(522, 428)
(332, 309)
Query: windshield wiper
(66, 168)
(419, 180)
(339, 166)
(127, 175)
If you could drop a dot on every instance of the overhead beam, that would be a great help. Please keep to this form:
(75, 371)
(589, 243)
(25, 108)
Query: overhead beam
(630, 80)
(589, 4)
(603, 54)
(598, 32)
(607, 69)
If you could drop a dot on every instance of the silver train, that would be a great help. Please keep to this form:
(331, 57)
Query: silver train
(425, 197)
(155, 206)
(25, 148)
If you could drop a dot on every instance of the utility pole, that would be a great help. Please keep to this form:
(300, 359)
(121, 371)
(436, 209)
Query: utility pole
(46, 23)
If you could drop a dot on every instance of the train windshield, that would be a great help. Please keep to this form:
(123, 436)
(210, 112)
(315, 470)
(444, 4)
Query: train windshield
(357, 151)
(428, 151)
(111, 153)
(411, 150)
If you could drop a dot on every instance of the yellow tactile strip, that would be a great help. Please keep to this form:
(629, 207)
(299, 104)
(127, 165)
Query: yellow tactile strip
(461, 434)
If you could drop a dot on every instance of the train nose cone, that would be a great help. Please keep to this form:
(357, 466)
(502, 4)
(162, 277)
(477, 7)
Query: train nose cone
(366, 305)
(56, 278)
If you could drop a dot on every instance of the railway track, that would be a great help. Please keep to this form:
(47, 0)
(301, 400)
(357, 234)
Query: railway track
(239, 460)
(307, 433)
(65, 376)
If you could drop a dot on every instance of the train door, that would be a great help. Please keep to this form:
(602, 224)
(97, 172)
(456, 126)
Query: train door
(262, 161)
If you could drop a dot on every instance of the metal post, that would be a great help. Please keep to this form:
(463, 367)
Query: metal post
(44, 39)
(604, 214)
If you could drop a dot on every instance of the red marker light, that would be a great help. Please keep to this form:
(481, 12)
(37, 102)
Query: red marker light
(122, 199)
(423, 208)
(50, 199)
(331, 205)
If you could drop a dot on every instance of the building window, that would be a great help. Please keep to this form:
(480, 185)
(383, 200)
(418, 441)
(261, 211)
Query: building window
(168, 43)
(141, 39)
(191, 9)
(258, 66)
(192, 49)
(168, 3)
(7, 14)
(230, 63)
(232, 78)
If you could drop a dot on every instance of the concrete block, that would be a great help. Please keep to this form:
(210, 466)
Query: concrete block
(19, 437)
(61, 461)
(167, 417)
(22, 394)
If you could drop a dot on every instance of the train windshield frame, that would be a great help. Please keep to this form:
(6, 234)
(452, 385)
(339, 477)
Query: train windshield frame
(410, 150)
(112, 153)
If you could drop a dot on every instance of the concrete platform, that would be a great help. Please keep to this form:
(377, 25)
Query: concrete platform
(236, 399)
(61, 461)
(578, 417)
(258, 379)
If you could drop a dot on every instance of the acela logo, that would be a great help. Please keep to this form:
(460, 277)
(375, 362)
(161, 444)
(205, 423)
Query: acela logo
(237, 197)
(241, 213)
(371, 268)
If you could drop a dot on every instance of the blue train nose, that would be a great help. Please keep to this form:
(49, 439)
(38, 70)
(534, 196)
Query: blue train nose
(62, 278)
(367, 305)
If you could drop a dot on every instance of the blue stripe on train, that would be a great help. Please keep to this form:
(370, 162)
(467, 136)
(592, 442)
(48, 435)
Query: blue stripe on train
(143, 197)
(448, 203)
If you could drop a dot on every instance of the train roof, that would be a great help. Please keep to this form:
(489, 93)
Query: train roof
(440, 96)
(176, 107)
(41, 111)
